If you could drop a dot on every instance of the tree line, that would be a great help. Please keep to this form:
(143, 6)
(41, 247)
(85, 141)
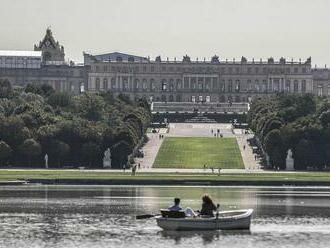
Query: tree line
(72, 130)
(300, 123)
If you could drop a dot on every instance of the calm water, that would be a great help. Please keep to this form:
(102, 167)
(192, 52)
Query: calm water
(104, 216)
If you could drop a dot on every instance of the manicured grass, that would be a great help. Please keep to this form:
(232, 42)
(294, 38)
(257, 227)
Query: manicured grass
(13, 175)
(195, 152)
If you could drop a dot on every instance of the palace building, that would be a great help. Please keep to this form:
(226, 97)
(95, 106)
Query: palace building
(207, 81)
(45, 65)
(199, 81)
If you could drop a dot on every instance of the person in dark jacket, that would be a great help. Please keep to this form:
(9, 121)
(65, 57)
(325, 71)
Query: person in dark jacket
(207, 206)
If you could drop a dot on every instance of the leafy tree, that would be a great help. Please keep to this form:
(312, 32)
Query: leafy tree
(66, 127)
(30, 149)
(5, 88)
(58, 151)
(275, 148)
(120, 152)
(91, 152)
(325, 118)
(13, 131)
(90, 106)
(60, 99)
(44, 89)
(5, 152)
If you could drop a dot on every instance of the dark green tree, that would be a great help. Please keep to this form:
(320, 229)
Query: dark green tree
(5, 152)
(30, 149)
(5, 88)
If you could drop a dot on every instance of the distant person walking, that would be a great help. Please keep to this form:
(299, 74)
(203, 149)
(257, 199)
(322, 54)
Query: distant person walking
(133, 170)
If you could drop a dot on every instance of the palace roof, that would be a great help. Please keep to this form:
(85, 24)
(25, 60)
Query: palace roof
(9, 53)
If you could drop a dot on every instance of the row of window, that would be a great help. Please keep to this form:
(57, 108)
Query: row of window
(223, 86)
(200, 69)
(54, 73)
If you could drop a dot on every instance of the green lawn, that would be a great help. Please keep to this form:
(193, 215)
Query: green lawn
(313, 177)
(195, 152)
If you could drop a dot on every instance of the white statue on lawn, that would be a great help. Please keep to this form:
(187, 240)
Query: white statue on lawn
(107, 159)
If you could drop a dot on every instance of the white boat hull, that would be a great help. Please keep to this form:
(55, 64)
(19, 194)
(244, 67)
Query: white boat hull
(227, 220)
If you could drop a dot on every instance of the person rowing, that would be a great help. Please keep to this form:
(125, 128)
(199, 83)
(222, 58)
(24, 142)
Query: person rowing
(176, 206)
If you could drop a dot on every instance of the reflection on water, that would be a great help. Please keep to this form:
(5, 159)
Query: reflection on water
(104, 216)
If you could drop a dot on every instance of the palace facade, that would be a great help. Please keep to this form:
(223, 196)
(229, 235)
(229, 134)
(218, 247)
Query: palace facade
(200, 81)
(215, 81)
(45, 65)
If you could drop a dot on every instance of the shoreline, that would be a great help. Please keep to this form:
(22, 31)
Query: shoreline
(121, 182)
(83, 177)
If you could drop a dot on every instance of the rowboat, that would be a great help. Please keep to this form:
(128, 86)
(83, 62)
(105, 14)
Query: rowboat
(225, 220)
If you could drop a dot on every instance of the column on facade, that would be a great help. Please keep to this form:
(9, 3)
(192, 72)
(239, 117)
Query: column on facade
(270, 85)
(90, 83)
(121, 83)
(130, 88)
(189, 79)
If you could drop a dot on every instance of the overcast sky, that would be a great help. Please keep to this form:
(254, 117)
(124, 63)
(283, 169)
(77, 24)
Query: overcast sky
(172, 28)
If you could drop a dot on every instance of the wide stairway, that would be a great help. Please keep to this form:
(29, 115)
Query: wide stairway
(191, 107)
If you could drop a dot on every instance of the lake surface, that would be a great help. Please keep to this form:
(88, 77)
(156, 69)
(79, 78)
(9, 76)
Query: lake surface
(104, 216)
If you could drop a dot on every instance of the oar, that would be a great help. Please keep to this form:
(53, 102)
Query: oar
(146, 216)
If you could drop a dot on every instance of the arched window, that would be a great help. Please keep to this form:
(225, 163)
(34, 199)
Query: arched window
(250, 86)
(320, 90)
(163, 98)
(238, 86)
(164, 85)
(113, 83)
(125, 83)
(222, 86)
(178, 84)
(264, 85)
(303, 86)
(287, 85)
(136, 84)
(200, 83)
(171, 84)
(257, 86)
(144, 84)
(295, 86)
(193, 83)
(178, 98)
(97, 84)
(105, 84)
(230, 85)
(171, 98)
(152, 84)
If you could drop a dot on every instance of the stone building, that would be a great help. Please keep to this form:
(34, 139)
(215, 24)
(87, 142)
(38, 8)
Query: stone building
(45, 65)
(200, 81)
(321, 82)
(52, 52)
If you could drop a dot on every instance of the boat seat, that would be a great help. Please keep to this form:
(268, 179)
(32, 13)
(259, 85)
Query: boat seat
(172, 214)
